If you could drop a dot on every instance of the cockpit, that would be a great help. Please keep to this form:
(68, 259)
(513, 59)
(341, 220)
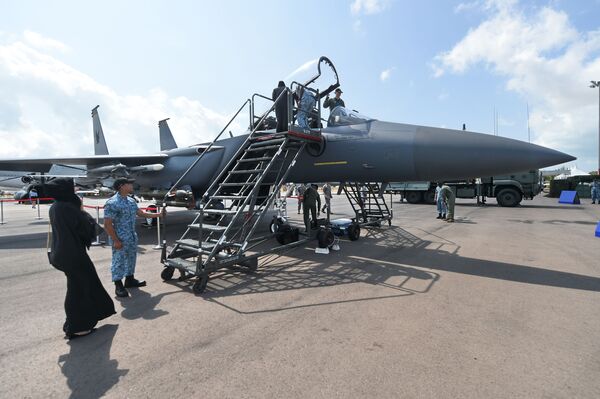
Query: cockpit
(341, 116)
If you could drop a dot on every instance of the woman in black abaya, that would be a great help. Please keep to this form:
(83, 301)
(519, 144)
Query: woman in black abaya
(73, 230)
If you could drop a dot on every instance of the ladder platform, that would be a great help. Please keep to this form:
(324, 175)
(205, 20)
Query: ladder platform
(208, 227)
(313, 135)
(262, 148)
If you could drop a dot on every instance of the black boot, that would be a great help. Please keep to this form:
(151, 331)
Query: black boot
(120, 291)
(131, 282)
(439, 216)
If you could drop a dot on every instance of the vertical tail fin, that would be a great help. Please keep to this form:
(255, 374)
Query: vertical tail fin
(100, 147)
(167, 142)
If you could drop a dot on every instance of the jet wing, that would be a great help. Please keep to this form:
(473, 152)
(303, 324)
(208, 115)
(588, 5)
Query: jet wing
(44, 164)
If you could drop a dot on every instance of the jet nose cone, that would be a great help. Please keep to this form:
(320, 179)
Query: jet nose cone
(454, 154)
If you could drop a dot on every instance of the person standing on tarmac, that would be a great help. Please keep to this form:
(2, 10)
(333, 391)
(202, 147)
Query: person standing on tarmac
(449, 199)
(327, 195)
(331, 103)
(119, 222)
(281, 107)
(73, 231)
(441, 206)
(311, 199)
(300, 189)
(595, 191)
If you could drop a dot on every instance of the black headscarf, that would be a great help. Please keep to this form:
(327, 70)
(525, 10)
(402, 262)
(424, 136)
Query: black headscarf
(62, 189)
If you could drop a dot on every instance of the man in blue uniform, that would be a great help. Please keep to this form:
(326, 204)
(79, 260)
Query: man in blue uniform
(595, 191)
(306, 103)
(119, 222)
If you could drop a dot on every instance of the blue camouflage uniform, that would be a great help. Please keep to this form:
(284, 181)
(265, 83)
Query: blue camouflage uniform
(441, 205)
(595, 191)
(122, 211)
(307, 103)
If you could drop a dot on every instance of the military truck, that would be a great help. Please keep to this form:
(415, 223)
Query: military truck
(509, 190)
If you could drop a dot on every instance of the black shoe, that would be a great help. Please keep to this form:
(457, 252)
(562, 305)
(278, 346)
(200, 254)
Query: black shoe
(131, 282)
(439, 216)
(120, 291)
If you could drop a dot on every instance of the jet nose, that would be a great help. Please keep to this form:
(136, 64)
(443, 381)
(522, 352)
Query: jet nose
(454, 154)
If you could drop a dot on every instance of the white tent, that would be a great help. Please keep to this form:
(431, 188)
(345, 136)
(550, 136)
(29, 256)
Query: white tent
(571, 172)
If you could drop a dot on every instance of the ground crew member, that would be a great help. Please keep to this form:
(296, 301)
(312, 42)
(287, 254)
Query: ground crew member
(119, 222)
(448, 197)
(301, 189)
(306, 103)
(311, 199)
(441, 206)
(327, 194)
(281, 107)
(595, 191)
(331, 103)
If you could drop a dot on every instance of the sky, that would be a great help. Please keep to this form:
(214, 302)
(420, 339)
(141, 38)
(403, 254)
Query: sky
(434, 62)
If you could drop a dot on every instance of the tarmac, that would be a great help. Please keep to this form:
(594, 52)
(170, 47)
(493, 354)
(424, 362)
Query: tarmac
(502, 303)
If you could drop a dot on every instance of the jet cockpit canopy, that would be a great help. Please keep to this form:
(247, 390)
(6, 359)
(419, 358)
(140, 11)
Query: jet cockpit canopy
(341, 116)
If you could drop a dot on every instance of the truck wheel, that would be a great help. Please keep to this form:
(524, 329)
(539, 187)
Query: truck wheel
(429, 197)
(325, 238)
(414, 197)
(508, 197)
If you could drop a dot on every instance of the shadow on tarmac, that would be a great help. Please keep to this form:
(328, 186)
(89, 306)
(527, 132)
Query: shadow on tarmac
(89, 370)
(142, 305)
(401, 258)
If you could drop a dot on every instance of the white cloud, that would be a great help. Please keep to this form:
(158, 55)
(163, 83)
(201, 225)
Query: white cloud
(368, 7)
(546, 60)
(302, 68)
(386, 73)
(45, 108)
(44, 43)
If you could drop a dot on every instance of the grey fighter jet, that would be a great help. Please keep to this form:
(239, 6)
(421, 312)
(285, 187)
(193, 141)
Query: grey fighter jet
(354, 148)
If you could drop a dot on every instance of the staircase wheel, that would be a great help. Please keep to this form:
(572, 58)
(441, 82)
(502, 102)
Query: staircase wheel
(326, 238)
(167, 273)
(200, 284)
(354, 232)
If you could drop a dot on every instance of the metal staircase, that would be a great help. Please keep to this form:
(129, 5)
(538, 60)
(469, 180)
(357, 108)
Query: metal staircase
(368, 203)
(225, 230)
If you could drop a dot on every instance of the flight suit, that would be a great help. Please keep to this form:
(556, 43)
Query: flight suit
(311, 199)
(441, 206)
(449, 198)
(307, 103)
(123, 211)
(331, 103)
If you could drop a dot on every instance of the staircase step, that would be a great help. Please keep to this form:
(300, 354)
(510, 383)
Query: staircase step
(189, 265)
(263, 143)
(246, 172)
(269, 147)
(190, 243)
(218, 212)
(237, 184)
(209, 227)
(255, 159)
(229, 197)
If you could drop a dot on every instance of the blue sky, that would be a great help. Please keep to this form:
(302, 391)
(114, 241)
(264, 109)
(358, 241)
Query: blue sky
(436, 63)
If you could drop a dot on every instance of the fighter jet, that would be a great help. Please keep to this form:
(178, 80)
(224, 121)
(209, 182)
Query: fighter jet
(354, 147)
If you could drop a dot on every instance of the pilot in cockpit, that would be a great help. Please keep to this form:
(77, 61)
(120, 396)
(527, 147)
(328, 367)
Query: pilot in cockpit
(337, 101)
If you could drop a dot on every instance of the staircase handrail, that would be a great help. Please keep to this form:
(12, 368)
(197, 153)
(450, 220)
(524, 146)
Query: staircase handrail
(206, 150)
(242, 148)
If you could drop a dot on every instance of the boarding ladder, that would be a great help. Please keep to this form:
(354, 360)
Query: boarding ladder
(368, 203)
(224, 230)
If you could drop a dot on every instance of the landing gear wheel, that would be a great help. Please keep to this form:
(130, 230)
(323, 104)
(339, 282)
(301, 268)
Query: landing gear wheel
(354, 232)
(167, 273)
(200, 284)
